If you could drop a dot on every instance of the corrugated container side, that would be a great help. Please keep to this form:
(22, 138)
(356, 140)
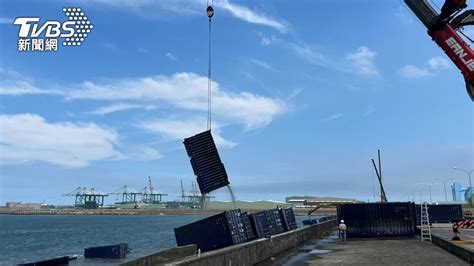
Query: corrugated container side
(206, 162)
(377, 219)
(442, 213)
(208, 234)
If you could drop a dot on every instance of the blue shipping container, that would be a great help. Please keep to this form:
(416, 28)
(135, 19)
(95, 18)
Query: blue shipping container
(215, 232)
(108, 252)
(206, 162)
(378, 219)
(441, 213)
(288, 217)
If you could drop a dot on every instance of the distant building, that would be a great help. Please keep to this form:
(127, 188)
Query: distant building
(247, 205)
(19, 205)
(309, 201)
(456, 192)
(467, 194)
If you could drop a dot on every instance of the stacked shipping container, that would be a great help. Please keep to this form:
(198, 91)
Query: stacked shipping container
(214, 232)
(289, 219)
(234, 227)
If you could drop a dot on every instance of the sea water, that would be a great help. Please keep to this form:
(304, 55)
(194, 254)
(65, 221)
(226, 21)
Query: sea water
(29, 238)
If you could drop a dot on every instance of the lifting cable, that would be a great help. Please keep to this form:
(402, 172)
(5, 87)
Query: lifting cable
(210, 13)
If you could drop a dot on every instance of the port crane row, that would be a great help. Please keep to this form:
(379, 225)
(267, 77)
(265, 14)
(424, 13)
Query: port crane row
(92, 198)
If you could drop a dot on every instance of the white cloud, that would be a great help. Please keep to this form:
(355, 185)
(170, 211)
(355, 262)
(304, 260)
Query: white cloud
(363, 61)
(144, 153)
(150, 8)
(121, 107)
(294, 93)
(262, 64)
(438, 63)
(171, 56)
(21, 87)
(311, 55)
(250, 16)
(182, 93)
(28, 137)
(4, 20)
(13, 83)
(335, 116)
(267, 40)
(411, 71)
(432, 66)
(178, 129)
(187, 91)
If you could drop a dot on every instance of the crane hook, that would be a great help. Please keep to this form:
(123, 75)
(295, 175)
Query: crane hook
(210, 12)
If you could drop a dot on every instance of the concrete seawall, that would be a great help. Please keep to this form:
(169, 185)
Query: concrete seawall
(450, 246)
(243, 254)
(164, 256)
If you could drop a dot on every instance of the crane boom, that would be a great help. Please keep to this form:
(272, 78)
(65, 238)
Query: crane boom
(383, 197)
(323, 205)
(443, 30)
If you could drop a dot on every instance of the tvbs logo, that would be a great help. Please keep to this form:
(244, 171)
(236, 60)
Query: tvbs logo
(36, 36)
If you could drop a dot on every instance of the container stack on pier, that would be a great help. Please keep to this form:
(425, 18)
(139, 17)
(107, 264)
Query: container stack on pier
(234, 227)
(218, 231)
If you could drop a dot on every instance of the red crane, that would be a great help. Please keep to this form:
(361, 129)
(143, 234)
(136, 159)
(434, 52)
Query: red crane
(444, 28)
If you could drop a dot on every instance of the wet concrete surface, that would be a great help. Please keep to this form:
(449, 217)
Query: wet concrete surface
(400, 251)
(446, 231)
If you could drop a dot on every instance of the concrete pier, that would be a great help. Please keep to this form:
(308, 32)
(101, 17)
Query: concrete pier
(403, 251)
(464, 248)
(249, 253)
(306, 246)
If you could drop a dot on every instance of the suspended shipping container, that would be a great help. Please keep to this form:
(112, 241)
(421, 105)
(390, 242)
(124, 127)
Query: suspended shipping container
(215, 232)
(107, 252)
(378, 219)
(205, 161)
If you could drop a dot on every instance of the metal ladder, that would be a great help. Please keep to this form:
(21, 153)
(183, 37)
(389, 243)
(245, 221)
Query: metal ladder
(425, 229)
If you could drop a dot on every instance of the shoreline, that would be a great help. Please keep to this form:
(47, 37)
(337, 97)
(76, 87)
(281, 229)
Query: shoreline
(158, 212)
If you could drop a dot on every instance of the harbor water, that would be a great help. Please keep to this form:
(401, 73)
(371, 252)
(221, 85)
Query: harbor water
(30, 238)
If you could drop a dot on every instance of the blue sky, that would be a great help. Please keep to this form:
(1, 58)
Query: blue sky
(304, 92)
